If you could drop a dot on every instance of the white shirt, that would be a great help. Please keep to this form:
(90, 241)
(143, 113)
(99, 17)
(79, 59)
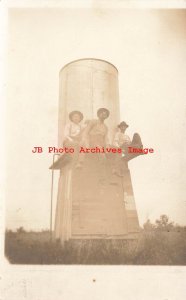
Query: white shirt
(121, 139)
(71, 130)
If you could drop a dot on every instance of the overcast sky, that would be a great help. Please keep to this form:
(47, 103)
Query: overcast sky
(148, 47)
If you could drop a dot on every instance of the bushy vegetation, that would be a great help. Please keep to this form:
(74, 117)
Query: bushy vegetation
(163, 224)
(162, 243)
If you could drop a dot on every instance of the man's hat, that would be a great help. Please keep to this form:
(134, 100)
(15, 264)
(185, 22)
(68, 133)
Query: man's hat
(100, 110)
(75, 112)
(123, 124)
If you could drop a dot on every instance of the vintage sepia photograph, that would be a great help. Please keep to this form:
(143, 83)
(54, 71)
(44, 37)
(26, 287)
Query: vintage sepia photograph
(95, 147)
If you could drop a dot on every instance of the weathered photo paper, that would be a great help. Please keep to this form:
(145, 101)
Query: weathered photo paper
(94, 140)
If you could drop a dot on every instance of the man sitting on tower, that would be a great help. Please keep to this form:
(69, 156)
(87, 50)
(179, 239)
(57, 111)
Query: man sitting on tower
(72, 131)
(122, 140)
(73, 135)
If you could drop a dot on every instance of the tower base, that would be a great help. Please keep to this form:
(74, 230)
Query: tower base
(96, 201)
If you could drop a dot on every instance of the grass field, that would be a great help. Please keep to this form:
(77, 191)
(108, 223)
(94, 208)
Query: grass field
(152, 248)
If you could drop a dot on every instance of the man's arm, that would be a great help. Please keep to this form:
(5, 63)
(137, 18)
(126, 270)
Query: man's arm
(86, 131)
(107, 140)
(67, 133)
(116, 140)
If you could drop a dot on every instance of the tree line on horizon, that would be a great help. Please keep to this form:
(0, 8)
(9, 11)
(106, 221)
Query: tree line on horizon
(161, 224)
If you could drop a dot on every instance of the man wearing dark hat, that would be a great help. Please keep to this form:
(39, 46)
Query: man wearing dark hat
(96, 131)
(72, 131)
(121, 140)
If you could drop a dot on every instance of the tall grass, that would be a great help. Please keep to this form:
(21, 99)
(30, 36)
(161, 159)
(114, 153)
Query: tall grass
(151, 248)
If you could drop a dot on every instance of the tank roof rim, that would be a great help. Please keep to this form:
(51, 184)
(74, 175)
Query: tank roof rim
(91, 58)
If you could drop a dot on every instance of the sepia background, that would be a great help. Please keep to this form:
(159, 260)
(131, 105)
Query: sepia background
(148, 47)
(151, 64)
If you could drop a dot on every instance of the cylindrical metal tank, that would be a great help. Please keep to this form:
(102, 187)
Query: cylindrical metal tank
(86, 85)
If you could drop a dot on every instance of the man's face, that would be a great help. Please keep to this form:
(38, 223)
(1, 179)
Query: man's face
(123, 128)
(76, 118)
(103, 115)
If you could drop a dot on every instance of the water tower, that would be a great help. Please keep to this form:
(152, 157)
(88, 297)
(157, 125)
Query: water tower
(92, 202)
